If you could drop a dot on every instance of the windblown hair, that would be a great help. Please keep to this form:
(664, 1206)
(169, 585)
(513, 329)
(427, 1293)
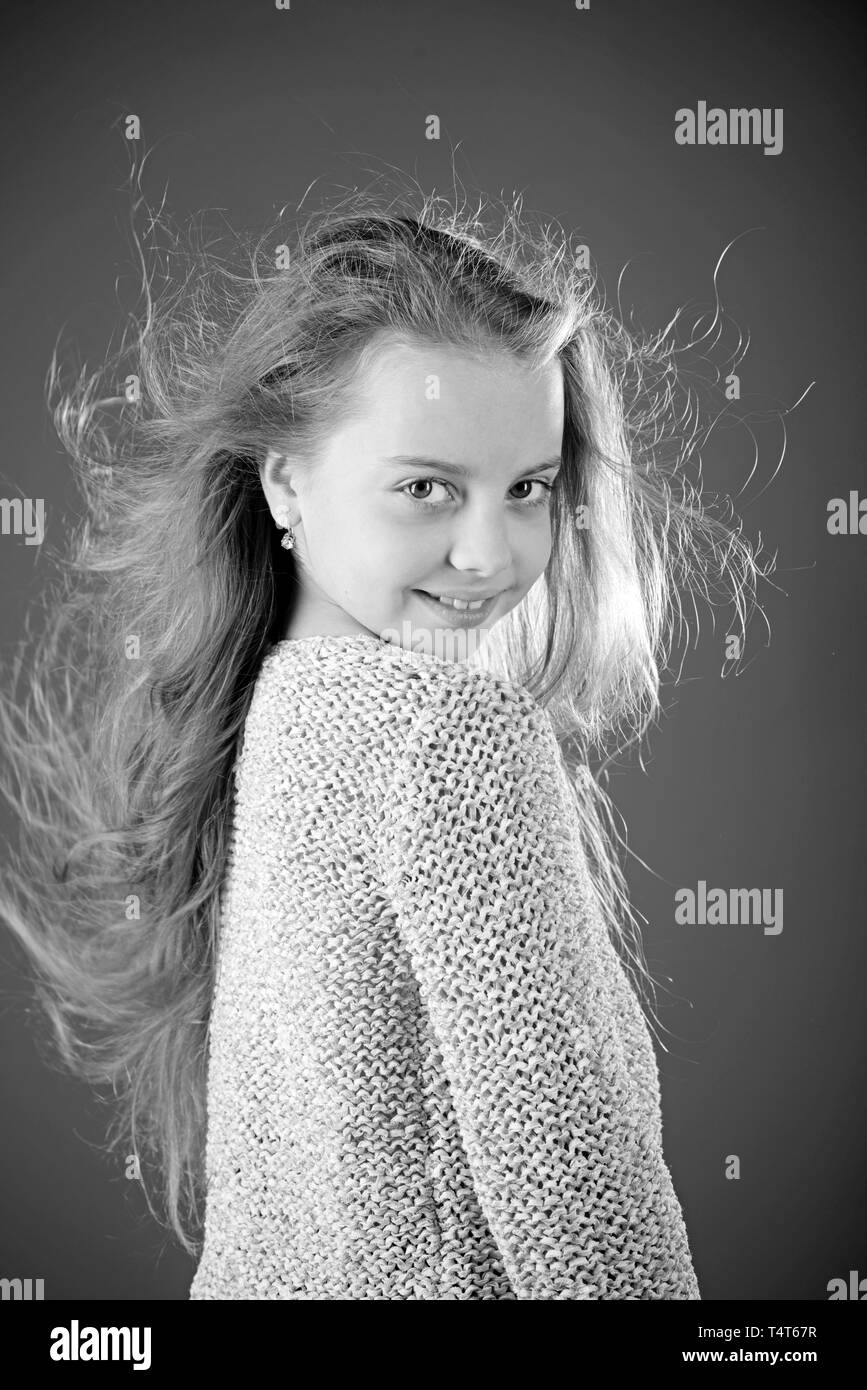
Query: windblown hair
(123, 715)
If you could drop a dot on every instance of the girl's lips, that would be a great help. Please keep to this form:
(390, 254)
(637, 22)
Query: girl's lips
(457, 617)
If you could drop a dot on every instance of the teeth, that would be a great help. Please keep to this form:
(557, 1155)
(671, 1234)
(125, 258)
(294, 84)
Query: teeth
(460, 603)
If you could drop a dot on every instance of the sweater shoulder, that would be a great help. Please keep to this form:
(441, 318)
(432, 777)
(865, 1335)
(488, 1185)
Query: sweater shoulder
(359, 724)
(383, 692)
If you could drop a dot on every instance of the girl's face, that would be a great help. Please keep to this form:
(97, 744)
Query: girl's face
(441, 487)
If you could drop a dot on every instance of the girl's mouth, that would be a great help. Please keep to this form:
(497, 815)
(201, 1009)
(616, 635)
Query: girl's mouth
(458, 612)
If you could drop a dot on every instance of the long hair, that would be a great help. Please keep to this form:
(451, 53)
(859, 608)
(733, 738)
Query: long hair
(123, 713)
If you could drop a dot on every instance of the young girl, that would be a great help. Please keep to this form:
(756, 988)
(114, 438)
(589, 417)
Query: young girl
(335, 905)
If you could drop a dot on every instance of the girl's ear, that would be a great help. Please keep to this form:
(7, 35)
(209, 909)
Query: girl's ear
(278, 491)
(270, 472)
(273, 459)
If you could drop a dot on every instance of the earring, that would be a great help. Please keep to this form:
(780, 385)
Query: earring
(288, 540)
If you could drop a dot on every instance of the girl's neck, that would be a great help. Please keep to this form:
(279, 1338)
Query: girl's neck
(313, 624)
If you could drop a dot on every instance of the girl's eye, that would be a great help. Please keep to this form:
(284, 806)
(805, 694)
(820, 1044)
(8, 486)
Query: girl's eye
(542, 498)
(421, 482)
(547, 489)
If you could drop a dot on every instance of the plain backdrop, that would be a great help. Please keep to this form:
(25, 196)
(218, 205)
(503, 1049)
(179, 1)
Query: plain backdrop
(754, 781)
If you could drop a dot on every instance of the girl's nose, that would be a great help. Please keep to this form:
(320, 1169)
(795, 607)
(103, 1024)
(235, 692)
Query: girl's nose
(480, 543)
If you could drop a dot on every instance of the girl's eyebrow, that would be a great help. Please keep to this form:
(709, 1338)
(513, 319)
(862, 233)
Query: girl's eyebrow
(422, 461)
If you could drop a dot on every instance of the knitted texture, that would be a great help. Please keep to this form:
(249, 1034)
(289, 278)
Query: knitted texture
(429, 1076)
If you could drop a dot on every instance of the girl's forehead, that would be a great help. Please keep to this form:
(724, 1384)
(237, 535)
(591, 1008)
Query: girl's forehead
(432, 419)
(439, 384)
(442, 401)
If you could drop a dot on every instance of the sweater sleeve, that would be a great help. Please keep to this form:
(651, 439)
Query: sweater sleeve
(494, 907)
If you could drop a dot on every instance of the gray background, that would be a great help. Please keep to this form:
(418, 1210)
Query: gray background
(757, 781)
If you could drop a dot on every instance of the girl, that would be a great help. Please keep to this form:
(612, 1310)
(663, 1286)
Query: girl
(335, 905)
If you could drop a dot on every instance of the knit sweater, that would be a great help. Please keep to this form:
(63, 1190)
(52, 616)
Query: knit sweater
(428, 1074)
